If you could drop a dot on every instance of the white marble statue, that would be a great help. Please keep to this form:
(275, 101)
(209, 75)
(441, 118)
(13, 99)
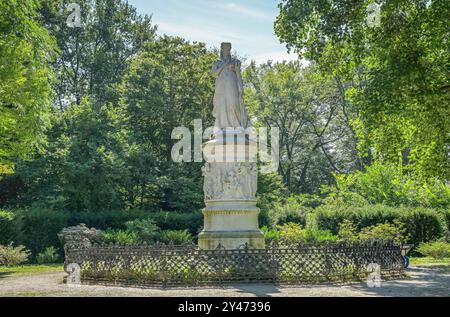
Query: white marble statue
(230, 213)
(229, 109)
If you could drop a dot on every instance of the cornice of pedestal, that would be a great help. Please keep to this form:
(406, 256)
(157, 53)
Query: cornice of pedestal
(217, 212)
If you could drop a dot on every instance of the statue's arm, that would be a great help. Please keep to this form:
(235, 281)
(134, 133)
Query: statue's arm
(217, 67)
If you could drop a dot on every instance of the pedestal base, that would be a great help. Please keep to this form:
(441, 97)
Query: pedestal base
(209, 240)
(232, 224)
(231, 177)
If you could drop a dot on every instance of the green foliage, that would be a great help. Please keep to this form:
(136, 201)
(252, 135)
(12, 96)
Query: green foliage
(103, 220)
(308, 110)
(291, 233)
(39, 228)
(145, 229)
(171, 220)
(421, 224)
(347, 231)
(49, 255)
(11, 256)
(120, 237)
(435, 249)
(385, 232)
(26, 51)
(176, 237)
(395, 72)
(294, 233)
(271, 193)
(8, 227)
(176, 78)
(385, 183)
(291, 211)
(94, 57)
(270, 234)
(318, 235)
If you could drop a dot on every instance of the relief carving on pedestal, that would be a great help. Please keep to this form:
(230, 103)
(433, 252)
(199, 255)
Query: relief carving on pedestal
(230, 181)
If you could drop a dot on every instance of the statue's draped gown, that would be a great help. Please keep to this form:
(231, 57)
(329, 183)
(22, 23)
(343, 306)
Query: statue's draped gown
(229, 109)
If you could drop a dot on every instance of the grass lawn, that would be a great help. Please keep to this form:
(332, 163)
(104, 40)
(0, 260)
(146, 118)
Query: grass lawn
(31, 269)
(428, 261)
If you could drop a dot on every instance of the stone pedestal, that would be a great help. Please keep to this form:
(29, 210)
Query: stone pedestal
(230, 214)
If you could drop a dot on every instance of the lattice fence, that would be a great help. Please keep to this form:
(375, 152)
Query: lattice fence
(147, 265)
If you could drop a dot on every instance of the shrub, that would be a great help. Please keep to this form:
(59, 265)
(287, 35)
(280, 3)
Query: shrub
(145, 229)
(294, 233)
(436, 249)
(10, 256)
(9, 230)
(49, 255)
(291, 233)
(347, 231)
(170, 220)
(422, 224)
(291, 211)
(386, 183)
(271, 192)
(40, 228)
(315, 235)
(175, 237)
(119, 236)
(270, 234)
(103, 220)
(385, 232)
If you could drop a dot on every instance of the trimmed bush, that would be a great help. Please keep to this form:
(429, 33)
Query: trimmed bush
(421, 224)
(49, 255)
(9, 231)
(169, 220)
(385, 232)
(176, 237)
(436, 249)
(40, 228)
(145, 229)
(120, 237)
(270, 234)
(289, 212)
(166, 220)
(11, 256)
(294, 233)
(103, 220)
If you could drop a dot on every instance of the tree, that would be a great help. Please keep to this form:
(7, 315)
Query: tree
(26, 50)
(169, 84)
(315, 137)
(95, 55)
(395, 71)
(82, 168)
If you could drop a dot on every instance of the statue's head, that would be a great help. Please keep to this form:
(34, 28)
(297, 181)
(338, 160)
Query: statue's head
(225, 49)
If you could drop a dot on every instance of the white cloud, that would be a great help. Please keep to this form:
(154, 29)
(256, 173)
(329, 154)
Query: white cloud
(199, 34)
(253, 13)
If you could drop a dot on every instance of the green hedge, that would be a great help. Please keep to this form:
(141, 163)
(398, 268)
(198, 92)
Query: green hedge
(193, 221)
(446, 215)
(106, 219)
(422, 224)
(37, 229)
(9, 230)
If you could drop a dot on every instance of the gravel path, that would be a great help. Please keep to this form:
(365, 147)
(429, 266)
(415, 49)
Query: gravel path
(421, 281)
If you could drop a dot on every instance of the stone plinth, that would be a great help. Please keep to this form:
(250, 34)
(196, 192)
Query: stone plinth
(230, 214)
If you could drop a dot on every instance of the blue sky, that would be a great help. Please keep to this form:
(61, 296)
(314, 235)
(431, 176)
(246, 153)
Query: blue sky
(248, 24)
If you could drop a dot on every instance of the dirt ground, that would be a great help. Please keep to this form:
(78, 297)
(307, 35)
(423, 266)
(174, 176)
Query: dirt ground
(421, 281)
